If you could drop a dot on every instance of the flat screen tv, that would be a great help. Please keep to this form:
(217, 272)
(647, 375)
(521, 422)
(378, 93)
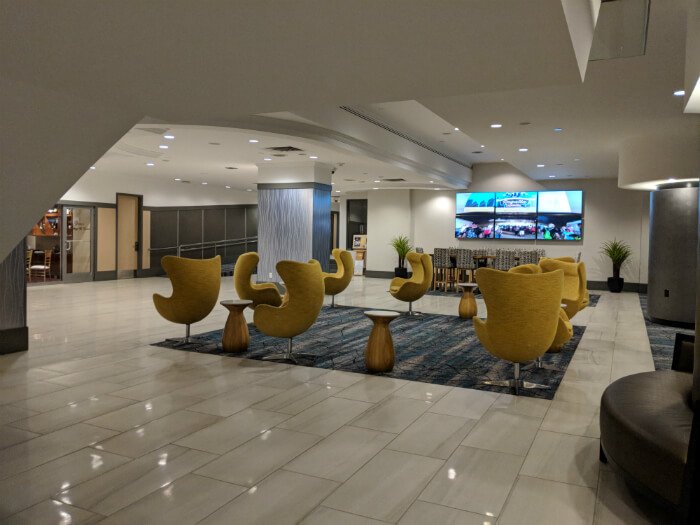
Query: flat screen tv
(515, 227)
(516, 202)
(474, 226)
(560, 202)
(475, 203)
(560, 215)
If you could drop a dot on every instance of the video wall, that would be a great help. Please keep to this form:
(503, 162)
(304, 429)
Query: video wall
(520, 215)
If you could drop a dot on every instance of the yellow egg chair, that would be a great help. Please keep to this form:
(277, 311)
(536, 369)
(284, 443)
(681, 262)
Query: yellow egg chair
(410, 290)
(196, 284)
(305, 292)
(335, 283)
(575, 287)
(263, 293)
(565, 329)
(523, 314)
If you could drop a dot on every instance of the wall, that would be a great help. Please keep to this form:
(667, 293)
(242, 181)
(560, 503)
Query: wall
(610, 212)
(388, 215)
(106, 239)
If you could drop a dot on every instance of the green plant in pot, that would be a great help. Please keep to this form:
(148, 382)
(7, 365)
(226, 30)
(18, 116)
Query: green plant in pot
(618, 252)
(402, 245)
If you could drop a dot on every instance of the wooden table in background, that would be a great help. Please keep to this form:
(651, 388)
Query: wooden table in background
(379, 355)
(236, 336)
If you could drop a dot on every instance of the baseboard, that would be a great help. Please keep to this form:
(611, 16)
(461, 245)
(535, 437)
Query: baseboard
(14, 340)
(151, 272)
(106, 276)
(378, 274)
(628, 287)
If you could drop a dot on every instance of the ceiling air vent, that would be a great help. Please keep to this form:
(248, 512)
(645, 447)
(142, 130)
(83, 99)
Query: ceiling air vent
(284, 148)
(394, 180)
(279, 155)
(155, 131)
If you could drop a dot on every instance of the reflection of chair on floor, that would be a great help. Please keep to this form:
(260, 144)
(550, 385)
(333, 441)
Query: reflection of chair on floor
(263, 293)
(565, 329)
(196, 285)
(335, 283)
(575, 294)
(410, 290)
(650, 435)
(523, 312)
(305, 289)
(42, 270)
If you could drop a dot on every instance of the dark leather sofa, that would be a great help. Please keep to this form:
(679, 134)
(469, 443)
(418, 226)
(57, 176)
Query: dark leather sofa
(649, 434)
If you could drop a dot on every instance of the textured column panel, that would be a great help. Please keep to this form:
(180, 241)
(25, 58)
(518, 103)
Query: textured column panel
(321, 241)
(13, 302)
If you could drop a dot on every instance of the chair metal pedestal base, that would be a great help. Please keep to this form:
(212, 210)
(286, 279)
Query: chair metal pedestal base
(411, 312)
(289, 356)
(182, 341)
(515, 383)
(538, 363)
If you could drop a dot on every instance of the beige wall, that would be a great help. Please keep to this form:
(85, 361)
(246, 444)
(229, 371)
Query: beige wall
(388, 215)
(106, 239)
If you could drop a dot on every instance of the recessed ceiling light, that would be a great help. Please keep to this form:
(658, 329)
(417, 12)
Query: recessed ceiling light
(437, 189)
(248, 189)
(671, 179)
(482, 146)
(169, 137)
(679, 93)
(503, 159)
(332, 183)
(540, 165)
(228, 187)
(337, 191)
(456, 129)
(377, 181)
(552, 176)
(432, 182)
(177, 180)
(93, 168)
(150, 164)
(163, 146)
(522, 150)
(558, 129)
(267, 158)
(496, 125)
(313, 157)
(205, 183)
(576, 159)
(375, 188)
(253, 141)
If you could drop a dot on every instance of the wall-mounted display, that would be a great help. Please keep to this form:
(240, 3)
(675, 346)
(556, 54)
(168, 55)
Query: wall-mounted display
(522, 215)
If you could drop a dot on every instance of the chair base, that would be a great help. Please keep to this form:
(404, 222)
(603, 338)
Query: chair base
(516, 383)
(179, 342)
(289, 356)
(538, 363)
(411, 312)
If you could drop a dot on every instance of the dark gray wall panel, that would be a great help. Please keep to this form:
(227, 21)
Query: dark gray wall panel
(235, 223)
(321, 229)
(190, 226)
(13, 301)
(251, 217)
(214, 224)
(673, 237)
(163, 228)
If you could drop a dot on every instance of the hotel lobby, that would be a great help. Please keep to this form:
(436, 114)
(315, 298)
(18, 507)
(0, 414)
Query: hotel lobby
(403, 262)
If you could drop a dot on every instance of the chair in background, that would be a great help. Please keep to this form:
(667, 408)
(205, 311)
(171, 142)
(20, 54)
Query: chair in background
(650, 435)
(196, 284)
(335, 283)
(263, 293)
(28, 263)
(42, 270)
(464, 265)
(575, 288)
(565, 329)
(305, 292)
(523, 313)
(410, 290)
(442, 268)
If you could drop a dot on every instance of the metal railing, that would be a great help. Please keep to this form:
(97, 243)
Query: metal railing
(207, 245)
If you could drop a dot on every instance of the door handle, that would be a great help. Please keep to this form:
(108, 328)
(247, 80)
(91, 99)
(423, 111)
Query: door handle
(136, 246)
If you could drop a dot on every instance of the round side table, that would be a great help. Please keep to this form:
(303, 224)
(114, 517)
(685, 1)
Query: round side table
(467, 304)
(379, 355)
(236, 336)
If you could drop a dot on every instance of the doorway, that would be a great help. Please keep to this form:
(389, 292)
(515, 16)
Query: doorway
(77, 234)
(356, 222)
(335, 229)
(128, 235)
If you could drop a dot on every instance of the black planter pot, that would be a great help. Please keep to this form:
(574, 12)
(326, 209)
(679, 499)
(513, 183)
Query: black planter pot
(401, 272)
(615, 284)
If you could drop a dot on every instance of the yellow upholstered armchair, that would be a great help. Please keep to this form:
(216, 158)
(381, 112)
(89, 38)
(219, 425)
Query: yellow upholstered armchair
(263, 293)
(523, 313)
(305, 289)
(337, 282)
(565, 329)
(575, 292)
(409, 290)
(196, 285)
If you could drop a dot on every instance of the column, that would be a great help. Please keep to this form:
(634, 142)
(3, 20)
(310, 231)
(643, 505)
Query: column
(294, 215)
(14, 335)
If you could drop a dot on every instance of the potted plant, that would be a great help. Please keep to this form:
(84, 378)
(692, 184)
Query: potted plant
(619, 252)
(402, 245)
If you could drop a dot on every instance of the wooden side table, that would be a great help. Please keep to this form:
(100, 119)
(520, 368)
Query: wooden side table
(379, 355)
(467, 304)
(236, 336)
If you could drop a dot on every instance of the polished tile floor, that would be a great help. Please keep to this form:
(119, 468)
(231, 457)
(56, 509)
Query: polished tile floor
(98, 426)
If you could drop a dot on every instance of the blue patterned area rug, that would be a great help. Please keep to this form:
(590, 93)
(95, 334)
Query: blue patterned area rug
(661, 338)
(440, 349)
